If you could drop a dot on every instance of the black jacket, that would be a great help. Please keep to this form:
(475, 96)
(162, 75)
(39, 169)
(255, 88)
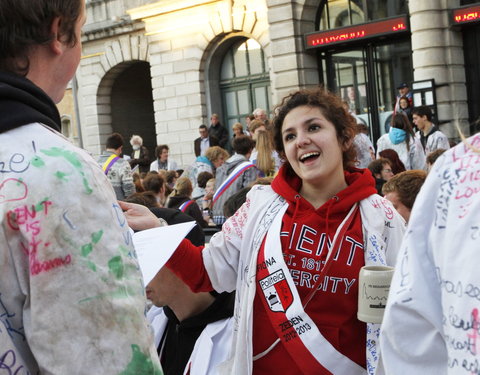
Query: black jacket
(192, 210)
(180, 337)
(143, 160)
(174, 216)
(219, 132)
(212, 141)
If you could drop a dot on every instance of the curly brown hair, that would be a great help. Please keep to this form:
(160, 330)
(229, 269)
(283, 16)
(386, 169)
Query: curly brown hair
(333, 110)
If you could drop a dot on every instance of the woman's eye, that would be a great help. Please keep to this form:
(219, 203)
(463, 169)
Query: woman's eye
(313, 127)
(289, 137)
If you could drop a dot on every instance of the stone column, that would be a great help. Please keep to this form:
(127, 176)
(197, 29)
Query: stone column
(438, 54)
(291, 67)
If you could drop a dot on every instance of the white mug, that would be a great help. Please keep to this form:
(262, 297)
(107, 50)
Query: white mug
(373, 287)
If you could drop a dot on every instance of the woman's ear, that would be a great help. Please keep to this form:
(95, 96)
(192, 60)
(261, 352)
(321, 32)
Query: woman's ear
(56, 44)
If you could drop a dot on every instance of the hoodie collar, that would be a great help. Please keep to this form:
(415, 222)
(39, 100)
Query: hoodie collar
(23, 103)
(360, 183)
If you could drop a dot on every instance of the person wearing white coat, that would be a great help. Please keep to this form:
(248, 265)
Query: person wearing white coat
(428, 134)
(401, 139)
(211, 348)
(162, 160)
(431, 323)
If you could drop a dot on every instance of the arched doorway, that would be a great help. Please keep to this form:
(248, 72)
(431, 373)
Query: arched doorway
(132, 105)
(365, 73)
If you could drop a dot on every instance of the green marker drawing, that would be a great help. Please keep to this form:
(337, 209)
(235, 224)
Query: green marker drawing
(96, 237)
(141, 364)
(61, 175)
(121, 292)
(73, 159)
(40, 206)
(92, 266)
(87, 249)
(37, 162)
(116, 266)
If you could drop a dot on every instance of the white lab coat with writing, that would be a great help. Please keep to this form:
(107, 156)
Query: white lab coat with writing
(72, 299)
(231, 255)
(431, 323)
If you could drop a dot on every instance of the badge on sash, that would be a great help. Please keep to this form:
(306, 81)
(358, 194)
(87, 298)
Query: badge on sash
(276, 291)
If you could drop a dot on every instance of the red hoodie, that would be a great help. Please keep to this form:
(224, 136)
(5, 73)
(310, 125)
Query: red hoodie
(304, 238)
(304, 245)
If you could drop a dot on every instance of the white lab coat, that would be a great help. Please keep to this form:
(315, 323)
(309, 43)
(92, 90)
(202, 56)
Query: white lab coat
(71, 294)
(411, 159)
(431, 323)
(229, 256)
(212, 346)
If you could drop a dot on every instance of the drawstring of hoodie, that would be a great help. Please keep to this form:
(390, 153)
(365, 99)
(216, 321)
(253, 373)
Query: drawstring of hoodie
(297, 204)
(330, 204)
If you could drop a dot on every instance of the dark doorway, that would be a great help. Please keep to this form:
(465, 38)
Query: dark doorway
(132, 106)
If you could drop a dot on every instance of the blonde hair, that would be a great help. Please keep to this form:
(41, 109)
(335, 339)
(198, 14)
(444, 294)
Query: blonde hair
(212, 180)
(183, 187)
(237, 125)
(216, 152)
(264, 146)
(255, 124)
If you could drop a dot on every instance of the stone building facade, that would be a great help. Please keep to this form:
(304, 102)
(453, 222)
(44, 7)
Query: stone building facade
(161, 68)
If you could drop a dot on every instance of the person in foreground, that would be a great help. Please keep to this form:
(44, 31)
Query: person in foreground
(71, 295)
(296, 296)
(431, 323)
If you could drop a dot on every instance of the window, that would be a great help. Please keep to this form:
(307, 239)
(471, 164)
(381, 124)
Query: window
(67, 126)
(339, 13)
(365, 75)
(244, 81)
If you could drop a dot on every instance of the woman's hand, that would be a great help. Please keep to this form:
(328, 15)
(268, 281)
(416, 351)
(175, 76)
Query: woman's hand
(139, 217)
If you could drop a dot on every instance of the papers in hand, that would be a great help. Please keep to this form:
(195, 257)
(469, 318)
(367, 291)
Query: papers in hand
(155, 246)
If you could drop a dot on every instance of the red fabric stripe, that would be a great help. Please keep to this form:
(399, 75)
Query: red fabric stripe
(295, 347)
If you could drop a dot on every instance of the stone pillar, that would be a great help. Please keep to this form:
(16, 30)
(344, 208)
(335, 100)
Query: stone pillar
(291, 68)
(438, 54)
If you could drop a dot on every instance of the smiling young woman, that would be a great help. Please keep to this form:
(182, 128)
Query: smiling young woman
(293, 251)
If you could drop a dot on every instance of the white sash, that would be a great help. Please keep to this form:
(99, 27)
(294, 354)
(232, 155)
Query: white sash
(302, 326)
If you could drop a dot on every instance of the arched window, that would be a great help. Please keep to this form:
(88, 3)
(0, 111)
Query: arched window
(339, 13)
(244, 81)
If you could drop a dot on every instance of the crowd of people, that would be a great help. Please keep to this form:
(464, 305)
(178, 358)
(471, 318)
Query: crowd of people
(297, 214)
(247, 156)
(321, 183)
(325, 176)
